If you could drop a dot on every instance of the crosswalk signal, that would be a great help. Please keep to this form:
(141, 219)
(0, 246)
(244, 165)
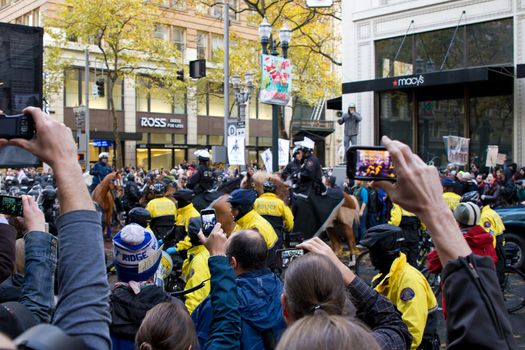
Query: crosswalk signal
(100, 87)
(180, 75)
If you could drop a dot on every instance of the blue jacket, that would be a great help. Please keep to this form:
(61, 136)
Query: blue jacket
(259, 294)
(99, 172)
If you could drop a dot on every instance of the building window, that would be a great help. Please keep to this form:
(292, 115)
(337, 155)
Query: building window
(141, 95)
(387, 64)
(161, 32)
(161, 138)
(178, 38)
(179, 5)
(160, 158)
(160, 101)
(179, 139)
(216, 105)
(4, 3)
(395, 116)
(215, 140)
(217, 44)
(217, 10)
(490, 43)
(202, 140)
(202, 45)
(74, 90)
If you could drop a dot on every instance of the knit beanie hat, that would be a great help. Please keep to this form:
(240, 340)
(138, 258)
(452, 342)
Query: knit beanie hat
(136, 253)
(467, 214)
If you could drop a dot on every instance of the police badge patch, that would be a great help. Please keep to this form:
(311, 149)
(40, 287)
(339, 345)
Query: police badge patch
(487, 224)
(310, 163)
(407, 294)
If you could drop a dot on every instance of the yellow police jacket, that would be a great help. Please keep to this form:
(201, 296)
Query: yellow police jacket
(161, 207)
(491, 222)
(410, 292)
(451, 199)
(253, 221)
(397, 213)
(183, 219)
(270, 204)
(195, 270)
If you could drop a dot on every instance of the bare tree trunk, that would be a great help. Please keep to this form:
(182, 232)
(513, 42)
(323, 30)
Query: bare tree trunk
(116, 135)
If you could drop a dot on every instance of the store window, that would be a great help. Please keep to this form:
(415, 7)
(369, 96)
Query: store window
(265, 142)
(202, 45)
(202, 140)
(161, 138)
(160, 158)
(72, 88)
(141, 93)
(252, 141)
(438, 118)
(431, 48)
(490, 43)
(142, 158)
(215, 140)
(179, 139)
(491, 123)
(160, 100)
(387, 64)
(217, 44)
(180, 156)
(395, 116)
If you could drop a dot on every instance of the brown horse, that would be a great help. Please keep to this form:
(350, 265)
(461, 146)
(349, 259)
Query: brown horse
(223, 213)
(340, 223)
(105, 195)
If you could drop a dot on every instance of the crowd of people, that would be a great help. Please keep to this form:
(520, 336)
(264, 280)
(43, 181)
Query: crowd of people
(237, 298)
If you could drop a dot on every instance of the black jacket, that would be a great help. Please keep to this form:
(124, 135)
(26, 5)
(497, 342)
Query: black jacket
(131, 195)
(477, 317)
(290, 169)
(202, 180)
(311, 175)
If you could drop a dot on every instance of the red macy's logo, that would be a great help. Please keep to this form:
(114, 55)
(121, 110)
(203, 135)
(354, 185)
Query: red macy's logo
(408, 81)
(394, 83)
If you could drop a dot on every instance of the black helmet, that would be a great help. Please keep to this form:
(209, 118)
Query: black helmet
(387, 238)
(159, 188)
(139, 216)
(473, 197)
(269, 186)
(49, 193)
(130, 177)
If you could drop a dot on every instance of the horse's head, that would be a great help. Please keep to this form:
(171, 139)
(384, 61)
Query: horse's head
(223, 213)
(260, 177)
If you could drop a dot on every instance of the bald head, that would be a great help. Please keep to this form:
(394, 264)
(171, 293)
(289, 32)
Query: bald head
(249, 249)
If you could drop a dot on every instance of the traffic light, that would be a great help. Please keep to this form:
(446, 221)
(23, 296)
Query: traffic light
(180, 75)
(100, 87)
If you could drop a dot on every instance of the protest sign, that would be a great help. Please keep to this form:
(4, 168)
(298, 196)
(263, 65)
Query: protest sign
(492, 156)
(267, 158)
(284, 152)
(236, 150)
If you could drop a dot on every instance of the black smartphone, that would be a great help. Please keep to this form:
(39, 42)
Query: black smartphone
(17, 126)
(285, 256)
(208, 220)
(10, 205)
(369, 163)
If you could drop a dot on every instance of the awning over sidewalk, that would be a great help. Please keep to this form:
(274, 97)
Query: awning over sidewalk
(456, 76)
(335, 103)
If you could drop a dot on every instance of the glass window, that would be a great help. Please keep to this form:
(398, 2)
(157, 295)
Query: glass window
(202, 99)
(217, 43)
(160, 101)
(252, 141)
(161, 138)
(142, 158)
(180, 104)
(178, 38)
(161, 158)
(144, 138)
(180, 139)
(161, 32)
(252, 156)
(234, 6)
(72, 88)
(385, 53)
(180, 155)
(265, 111)
(216, 105)
(437, 119)
(96, 102)
(141, 93)
(216, 140)
(431, 48)
(395, 116)
(179, 5)
(202, 140)
(490, 42)
(491, 123)
(202, 45)
(265, 142)
(118, 95)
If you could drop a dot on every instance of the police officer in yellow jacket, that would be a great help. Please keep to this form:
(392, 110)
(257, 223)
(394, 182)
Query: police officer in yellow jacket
(273, 209)
(450, 197)
(403, 284)
(410, 225)
(195, 268)
(185, 211)
(163, 212)
(242, 201)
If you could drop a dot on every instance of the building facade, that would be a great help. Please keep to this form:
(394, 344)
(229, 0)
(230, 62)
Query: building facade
(420, 70)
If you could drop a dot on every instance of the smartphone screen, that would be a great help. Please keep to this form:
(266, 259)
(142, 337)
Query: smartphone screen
(208, 221)
(370, 163)
(11, 205)
(285, 256)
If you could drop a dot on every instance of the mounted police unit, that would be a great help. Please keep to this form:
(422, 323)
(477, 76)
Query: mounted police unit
(204, 178)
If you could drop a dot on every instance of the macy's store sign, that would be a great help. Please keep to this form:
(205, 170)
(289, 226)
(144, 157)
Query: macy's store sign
(408, 81)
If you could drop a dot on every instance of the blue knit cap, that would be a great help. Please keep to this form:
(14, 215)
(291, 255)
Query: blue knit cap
(243, 197)
(136, 253)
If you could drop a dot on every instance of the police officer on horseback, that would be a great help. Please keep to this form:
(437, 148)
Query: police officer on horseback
(203, 179)
(100, 170)
(293, 166)
(310, 175)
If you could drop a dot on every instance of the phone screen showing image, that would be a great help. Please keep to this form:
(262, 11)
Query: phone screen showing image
(287, 255)
(11, 205)
(371, 164)
(208, 222)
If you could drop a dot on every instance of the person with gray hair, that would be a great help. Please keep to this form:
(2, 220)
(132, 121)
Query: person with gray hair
(351, 120)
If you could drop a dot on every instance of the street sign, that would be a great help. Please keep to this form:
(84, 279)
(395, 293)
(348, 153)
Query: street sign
(236, 128)
(319, 3)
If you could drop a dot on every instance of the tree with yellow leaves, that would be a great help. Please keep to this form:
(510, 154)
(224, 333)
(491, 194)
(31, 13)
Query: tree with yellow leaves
(123, 31)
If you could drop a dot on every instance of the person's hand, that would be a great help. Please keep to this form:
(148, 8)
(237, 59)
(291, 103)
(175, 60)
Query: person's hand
(317, 246)
(215, 242)
(418, 188)
(34, 219)
(483, 197)
(53, 142)
(340, 121)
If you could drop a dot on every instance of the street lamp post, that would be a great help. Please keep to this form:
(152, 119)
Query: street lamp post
(285, 35)
(241, 94)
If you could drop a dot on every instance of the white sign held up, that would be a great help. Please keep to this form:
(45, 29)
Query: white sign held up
(236, 150)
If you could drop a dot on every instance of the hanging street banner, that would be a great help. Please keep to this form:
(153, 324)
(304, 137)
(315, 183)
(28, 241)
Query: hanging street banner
(236, 150)
(457, 149)
(276, 80)
(284, 152)
(266, 157)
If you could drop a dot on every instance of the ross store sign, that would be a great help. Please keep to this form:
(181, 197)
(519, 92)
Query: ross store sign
(150, 122)
(408, 81)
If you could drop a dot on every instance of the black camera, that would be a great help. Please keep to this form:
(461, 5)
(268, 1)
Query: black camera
(17, 126)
